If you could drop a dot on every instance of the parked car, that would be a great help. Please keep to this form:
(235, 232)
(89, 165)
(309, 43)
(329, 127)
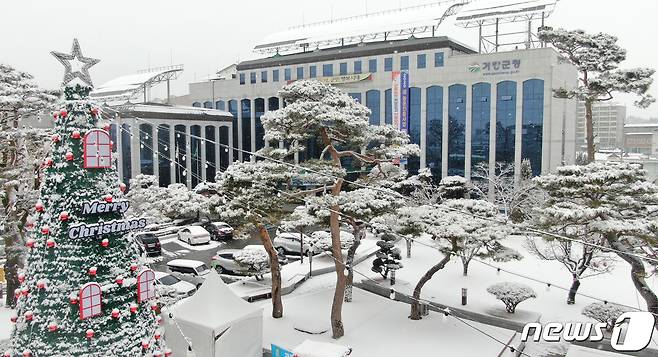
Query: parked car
(223, 261)
(194, 235)
(174, 286)
(289, 242)
(148, 243)
(219, 230)
(192, 271)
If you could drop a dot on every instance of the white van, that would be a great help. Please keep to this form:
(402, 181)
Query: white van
(192, 271)
(193, 235)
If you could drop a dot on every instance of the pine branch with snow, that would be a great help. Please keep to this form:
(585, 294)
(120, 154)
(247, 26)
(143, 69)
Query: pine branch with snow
(511, 294)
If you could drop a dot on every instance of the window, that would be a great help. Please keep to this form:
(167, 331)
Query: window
(242, 78)
(300, 73)
(438, 59)
(252, 77)
(533, 123)
(312, 71)
(421, 61)
(480, 115)
(413, 162)
(434, 134)
(372, 102)
(372, 66)
(207, 105)
(388, 64)
(145, 285)
(404, 63)
(388, 107)
(196, 104)
(287, 76)
(456, 129)
(220, 105)
(343, 68)
(97, 149)
(505, 121)
(275, 75)
(357, 67)
(245, 106)
(263, 77)
(327, 70)
(90, 300)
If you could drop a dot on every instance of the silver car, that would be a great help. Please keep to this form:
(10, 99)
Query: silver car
(173, 286)
(224, 262)
(289, 242)
(192, 271)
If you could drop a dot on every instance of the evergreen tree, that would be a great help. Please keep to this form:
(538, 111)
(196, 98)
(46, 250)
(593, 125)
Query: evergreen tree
(387, 257)
(79, 290)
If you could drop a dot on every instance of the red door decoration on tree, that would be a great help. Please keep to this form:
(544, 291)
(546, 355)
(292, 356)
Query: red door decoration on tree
(97, 149)
(90, 300)
(145, 285)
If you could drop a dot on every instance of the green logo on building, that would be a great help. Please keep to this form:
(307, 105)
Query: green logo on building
(474, 68)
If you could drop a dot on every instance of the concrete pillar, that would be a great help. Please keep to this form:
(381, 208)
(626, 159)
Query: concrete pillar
(253, 130)
(518, 131)
(469, 127)
(492, 137)
(240, 128)
(382, 107)
(230, 143)
(267, 109)
(218, 151)
(281, 144)
(188, 156)
(423, 128)
(172, 153)
(136, 151)
(119, 146)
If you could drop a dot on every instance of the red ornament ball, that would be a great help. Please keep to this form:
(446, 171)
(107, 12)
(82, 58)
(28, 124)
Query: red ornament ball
(48, 162)
(133, 267)
(29, 315)
(119, 280)
(27, 353)
(94, 111)
(21, 277)
(89, 333)
(108, 198)
(17, 293)
(64, 216)
(168, 352)
(69, 156)
(115, 313)
(63, 113)
(29, 225)
(105, 243)
(145, 344)
(133, 309)
(30, 243)
(52, 327)
(107, 127)
(25, 291)
(50, 243)
(75, 135)
(13, 318)
(158, 320)
(41, 284)
(157, 354)
(92, 271)
(39, 206)
(154, 306)
(73, 300)
(45, 230)
(55, 138)
(122, 187)
(157, 335)
(7, 354)
(55, 115)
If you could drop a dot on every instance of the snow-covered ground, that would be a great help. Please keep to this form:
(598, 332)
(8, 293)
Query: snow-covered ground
(375, 326)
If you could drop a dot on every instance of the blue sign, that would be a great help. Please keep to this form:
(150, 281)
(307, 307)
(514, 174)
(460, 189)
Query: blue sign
(404, 101)
(281, 352)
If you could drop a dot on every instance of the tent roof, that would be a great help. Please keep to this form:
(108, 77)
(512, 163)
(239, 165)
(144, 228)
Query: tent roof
(214, 305)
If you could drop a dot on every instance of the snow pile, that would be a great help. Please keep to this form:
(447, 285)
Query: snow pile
(310, 348)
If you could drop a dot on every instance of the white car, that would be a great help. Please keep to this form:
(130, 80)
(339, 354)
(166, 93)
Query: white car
(289, 242)
(223, 261)
(173, 286)
(192, 271)
(194, 235)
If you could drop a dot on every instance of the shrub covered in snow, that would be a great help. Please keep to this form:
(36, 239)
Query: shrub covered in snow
(254, 261)
(387, 257)
(607, 313)
(321, 240)
(511, 294)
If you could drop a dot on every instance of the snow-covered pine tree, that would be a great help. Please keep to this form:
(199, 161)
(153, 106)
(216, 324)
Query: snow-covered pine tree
(613, 201)
(597, 57)
(317, 111)
(83, 292)
(387, 257)
(21, 152)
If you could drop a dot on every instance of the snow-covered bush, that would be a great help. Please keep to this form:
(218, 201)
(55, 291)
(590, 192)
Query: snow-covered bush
(387, 257)
(321, 240)
(453, 187)
(607, 313)
(511, 294)
(254, 261)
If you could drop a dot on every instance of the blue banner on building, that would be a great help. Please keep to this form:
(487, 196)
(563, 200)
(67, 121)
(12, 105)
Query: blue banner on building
(404, 101)
(281, 352)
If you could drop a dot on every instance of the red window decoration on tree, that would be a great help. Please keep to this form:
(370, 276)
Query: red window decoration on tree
(145, 285)
(90, 300)
(97, 149)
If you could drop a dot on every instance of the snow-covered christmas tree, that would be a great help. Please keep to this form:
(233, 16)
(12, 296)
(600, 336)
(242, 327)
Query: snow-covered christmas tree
(83, 292)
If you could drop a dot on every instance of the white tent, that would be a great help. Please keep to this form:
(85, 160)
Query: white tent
(216, 322)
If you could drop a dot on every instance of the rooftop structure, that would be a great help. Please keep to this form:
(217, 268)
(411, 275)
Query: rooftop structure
(126, 88)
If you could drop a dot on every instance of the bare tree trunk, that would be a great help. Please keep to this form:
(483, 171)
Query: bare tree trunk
(589, 127)
(350, 262)
(275, 269)
(415, 304)
(408, 241)
(638, 274)
(571, 299)
(465, 263)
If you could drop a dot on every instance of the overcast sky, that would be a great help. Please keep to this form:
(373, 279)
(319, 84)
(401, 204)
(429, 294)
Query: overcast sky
(204, 35)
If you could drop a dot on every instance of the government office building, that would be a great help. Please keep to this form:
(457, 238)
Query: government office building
(465, 108)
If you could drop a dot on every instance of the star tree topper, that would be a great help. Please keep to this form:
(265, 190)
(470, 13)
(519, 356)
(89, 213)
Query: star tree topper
(75, 65)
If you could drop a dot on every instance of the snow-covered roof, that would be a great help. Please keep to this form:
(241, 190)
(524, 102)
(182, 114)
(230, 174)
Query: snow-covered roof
(641, 125)
(397, 22)
(126, 87)
(488, 11)
(186, 263)
(178, 112)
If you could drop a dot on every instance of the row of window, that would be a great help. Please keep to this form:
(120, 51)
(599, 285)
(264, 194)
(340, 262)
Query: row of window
(328, 69)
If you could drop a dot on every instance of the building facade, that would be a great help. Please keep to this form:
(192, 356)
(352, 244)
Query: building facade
(465, 108)
(641, 138)
(608, 120)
